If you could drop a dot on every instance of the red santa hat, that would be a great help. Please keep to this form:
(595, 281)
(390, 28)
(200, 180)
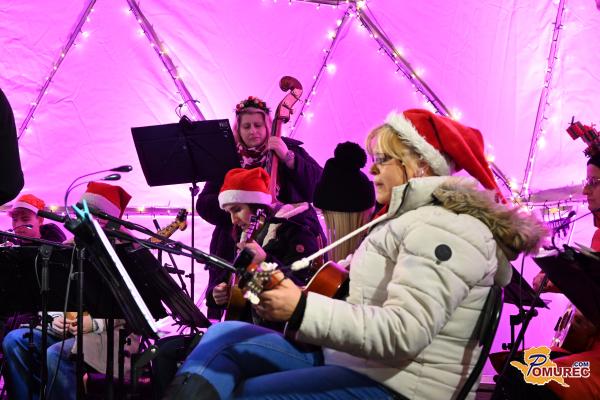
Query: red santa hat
(447, 145)
(29, 202)
(248, 186)
(107, 198)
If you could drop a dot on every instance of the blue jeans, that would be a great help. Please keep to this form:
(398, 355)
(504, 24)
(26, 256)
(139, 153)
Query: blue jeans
(15, 348)
(247, 361)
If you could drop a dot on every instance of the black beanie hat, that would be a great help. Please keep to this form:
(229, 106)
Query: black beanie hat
(343, 186)
(594, 160)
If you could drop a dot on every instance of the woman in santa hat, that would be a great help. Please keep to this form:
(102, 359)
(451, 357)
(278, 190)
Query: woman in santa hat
(282, 234)
(298, 173)
(273, 232)
(418, 283)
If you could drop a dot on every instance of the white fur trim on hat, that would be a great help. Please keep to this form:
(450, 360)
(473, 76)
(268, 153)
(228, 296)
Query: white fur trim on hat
(245, 197)
(101, 203)
(407, 131)
(24, 204)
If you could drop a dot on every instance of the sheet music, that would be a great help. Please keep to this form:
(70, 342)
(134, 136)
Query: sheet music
(133, 290)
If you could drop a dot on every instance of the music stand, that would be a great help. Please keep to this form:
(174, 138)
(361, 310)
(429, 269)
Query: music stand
(520, 293)
(186, 152)
(577, 275)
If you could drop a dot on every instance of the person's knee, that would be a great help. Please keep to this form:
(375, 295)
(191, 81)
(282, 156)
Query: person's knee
(53, 354)
(227, 327)
(14, 342)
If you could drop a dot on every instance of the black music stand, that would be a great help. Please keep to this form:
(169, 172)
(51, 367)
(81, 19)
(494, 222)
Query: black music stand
(577, 275)
(521, 294)
(186, 152)
(129, 303)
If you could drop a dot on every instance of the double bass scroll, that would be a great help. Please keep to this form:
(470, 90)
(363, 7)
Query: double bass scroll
(282, 116)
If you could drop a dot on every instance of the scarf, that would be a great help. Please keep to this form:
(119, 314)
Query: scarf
(252, 157)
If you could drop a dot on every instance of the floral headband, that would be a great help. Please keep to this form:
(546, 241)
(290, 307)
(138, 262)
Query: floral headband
(251, 102)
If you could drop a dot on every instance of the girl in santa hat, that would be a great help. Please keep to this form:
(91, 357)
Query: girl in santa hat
(418, 284)
(282, 234)
(298, 174)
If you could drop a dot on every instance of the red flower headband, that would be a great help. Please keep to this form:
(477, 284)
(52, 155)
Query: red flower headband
(251, 102)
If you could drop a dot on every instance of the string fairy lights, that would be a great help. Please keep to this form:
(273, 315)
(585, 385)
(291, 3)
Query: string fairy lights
(334, 36)
(359, 8)
(538, 140)
(83, 18)
(414, 76)
(162, 52)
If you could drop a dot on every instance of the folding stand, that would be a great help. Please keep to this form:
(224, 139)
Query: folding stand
(186, 152)
(521, 294)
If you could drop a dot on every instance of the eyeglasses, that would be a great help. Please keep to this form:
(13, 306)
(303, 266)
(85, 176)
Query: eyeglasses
(380, 159)
(591, 182)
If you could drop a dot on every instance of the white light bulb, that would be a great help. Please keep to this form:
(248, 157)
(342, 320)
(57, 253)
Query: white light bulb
(542, 142)
(331, 68)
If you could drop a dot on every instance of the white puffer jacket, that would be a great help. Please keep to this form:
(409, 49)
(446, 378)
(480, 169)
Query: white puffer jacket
(417, 285)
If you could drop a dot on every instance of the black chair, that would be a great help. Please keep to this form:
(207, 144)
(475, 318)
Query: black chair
(485, 331)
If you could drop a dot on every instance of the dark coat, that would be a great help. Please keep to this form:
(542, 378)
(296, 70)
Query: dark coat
(296, 186)
(11, 175)
(293, 232)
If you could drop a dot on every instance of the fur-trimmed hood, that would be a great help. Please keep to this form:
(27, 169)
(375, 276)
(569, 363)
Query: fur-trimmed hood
(515, 232)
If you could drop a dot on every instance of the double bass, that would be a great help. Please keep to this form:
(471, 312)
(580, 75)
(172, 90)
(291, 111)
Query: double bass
(282, 116)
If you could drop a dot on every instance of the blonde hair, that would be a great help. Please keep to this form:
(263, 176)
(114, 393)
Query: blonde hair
(339, 224)
(384, 139)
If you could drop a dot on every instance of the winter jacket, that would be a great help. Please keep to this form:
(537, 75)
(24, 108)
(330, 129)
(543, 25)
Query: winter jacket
(417, 285)
(11, 175)
(291, 234)
(296, 186)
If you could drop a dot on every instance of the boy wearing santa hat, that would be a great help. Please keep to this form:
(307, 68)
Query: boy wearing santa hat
(109, 199)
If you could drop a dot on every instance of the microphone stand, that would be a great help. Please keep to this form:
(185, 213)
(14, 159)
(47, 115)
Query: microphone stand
(167, 245)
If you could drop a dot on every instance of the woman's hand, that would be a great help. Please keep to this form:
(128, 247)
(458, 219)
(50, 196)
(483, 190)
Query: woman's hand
(259, 253)
(88, 325)
(221, 293)
(59, 323)
(278, 146)
(279, 303)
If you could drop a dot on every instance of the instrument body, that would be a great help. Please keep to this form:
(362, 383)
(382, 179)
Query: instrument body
(330, 280)
(237, 303)
(570, 335)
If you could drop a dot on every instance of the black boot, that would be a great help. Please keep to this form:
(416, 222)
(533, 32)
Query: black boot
(190, 386)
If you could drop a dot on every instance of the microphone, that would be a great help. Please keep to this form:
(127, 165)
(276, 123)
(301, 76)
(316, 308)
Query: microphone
(51, 216)
(28, 226)
(122, 168)
(111, 177)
